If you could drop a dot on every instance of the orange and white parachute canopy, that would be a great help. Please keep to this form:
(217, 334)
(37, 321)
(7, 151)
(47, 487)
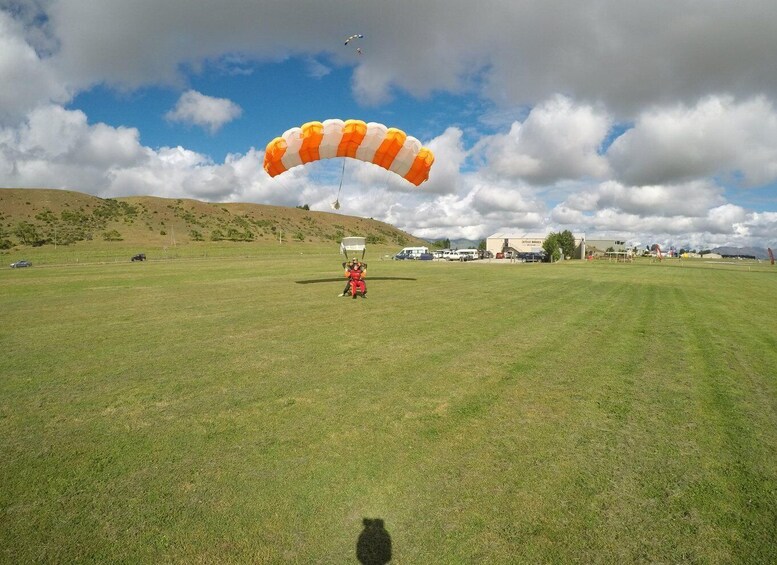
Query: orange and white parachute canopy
(390, 148)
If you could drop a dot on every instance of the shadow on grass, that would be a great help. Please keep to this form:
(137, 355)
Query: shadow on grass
(312, 281)
(373, 547)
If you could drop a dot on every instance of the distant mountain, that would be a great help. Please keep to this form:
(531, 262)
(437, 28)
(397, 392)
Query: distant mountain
(465, 243)
(38, 217)
(757, 252)
(460, 243)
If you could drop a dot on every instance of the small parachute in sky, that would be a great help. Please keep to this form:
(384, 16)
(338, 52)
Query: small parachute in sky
(352, 38)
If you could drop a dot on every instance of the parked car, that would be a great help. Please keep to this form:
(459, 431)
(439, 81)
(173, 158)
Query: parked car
(20, 264)
(531, 257)
(139, 257)
(468, 254)
(451, 256)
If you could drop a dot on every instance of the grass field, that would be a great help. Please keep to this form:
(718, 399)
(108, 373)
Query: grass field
(235, 410)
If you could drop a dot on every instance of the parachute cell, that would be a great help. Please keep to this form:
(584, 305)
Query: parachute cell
(373, 137)
(353, 135)
(312, 134)
(333, 135)
(390, 148)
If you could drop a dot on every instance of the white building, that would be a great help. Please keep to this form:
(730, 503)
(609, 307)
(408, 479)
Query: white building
(527, 243)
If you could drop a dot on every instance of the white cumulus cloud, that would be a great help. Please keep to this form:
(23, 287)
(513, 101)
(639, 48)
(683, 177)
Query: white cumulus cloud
(717, 136)
(206, 111)
(558, 140)
(28, 79)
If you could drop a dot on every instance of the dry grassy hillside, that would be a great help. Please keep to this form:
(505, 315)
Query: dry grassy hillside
(36, 217)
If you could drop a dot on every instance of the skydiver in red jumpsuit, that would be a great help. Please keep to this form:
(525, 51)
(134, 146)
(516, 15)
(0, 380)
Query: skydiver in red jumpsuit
(355, 272)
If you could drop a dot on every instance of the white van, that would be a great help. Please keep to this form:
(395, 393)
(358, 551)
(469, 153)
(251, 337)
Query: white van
(468, 254)
(411, 253)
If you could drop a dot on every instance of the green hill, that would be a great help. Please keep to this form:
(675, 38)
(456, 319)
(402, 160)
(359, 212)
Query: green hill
(41, 217)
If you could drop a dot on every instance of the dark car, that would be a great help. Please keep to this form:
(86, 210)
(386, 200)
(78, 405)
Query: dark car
(139, 257)
(532, 257)
(20, 264)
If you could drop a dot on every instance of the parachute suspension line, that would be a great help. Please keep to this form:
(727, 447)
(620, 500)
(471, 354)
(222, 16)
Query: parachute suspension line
(336, 203)
(342, 176)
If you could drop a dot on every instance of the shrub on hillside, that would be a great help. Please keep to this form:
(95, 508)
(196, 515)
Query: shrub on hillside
(28, 234)
(112, 235)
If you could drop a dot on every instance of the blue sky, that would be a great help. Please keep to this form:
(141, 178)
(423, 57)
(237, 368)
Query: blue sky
(542, 116)
(265, 114)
